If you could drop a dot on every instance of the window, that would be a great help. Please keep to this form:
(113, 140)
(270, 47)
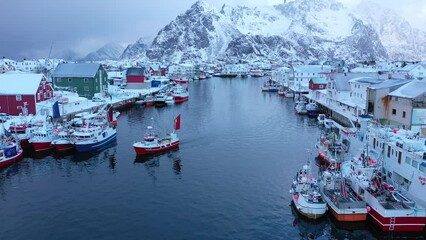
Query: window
(403, 114)
(399, 157)
(393, 111)
(408, 160)
(18, 98)
(85, 80)
(86, 88)
(69, 80)
(38, 96)
(396, 99)
(415, 164)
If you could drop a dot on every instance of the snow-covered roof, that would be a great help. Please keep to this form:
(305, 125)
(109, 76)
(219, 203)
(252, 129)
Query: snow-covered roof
(389, 84)
(312, 68)
(364, 70)
(369, 80)
(76, 70)
(319, 80)
(409, 67)
(135, 71)
(412, 89)
(14, 82)
(351, 101)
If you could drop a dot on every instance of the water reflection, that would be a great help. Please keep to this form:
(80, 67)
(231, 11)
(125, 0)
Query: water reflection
(152, 162)
(309, 229)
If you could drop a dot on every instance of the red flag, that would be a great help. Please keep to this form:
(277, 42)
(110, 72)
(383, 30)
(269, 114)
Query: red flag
(177, 122)
(110, 113)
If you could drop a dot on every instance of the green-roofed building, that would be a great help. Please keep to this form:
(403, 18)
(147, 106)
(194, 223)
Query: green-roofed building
(84, 78)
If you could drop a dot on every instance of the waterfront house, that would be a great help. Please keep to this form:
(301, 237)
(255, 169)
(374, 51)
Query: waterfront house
(413, 71)
(86, 79)
(301, 74)
(28, 65)
(406, 106)
(157, 70)
(116, 77)
(377, 98)
(21, 91)
(137, 77)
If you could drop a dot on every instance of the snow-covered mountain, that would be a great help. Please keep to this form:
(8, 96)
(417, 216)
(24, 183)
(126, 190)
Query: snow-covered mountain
(297, 30)
(137, 49)
(110, 51)
(401, 41)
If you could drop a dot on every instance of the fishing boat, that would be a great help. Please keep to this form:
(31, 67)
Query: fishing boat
(160, 99)
(289, 94)
(170, 100)
(321, 118)
(332, 147)
(300, 108)
(10, 151)
(149, 101)
(342, 203)
(404, 158)
(181, 81)
(64, 141)
(306, 194)
(42, 137)
(281, 91)
(312, 109)
(95, 135)
(180, 94)
(271, 86)
(152, 143)
(389, 208)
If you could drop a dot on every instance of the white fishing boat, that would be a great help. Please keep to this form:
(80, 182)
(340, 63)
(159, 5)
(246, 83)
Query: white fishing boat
(306, 194)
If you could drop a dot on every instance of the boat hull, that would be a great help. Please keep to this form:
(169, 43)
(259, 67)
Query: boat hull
(9, 161)
(25, 144)
(347, 217)
(150, 103)
(85, 147)
(310, 212)
(42, 146)
(141, 149)
(180, 99)
(63, 146)
(398, 224)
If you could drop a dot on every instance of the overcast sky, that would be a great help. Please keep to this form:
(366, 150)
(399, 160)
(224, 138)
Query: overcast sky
(30, 28)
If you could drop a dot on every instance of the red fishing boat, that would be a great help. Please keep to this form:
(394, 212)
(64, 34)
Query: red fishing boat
(152, 143)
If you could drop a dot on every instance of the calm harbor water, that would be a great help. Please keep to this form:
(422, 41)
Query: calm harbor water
(240, 149)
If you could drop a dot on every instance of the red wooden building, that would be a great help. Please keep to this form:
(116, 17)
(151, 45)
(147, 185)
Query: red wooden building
(318, 84)
(23, 89)
(157, 70)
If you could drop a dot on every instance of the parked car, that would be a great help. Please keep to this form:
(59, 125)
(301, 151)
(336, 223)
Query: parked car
(4, 117)
(98, 99)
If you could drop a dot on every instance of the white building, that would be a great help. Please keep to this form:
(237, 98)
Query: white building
(413, 71)
(301, 74)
